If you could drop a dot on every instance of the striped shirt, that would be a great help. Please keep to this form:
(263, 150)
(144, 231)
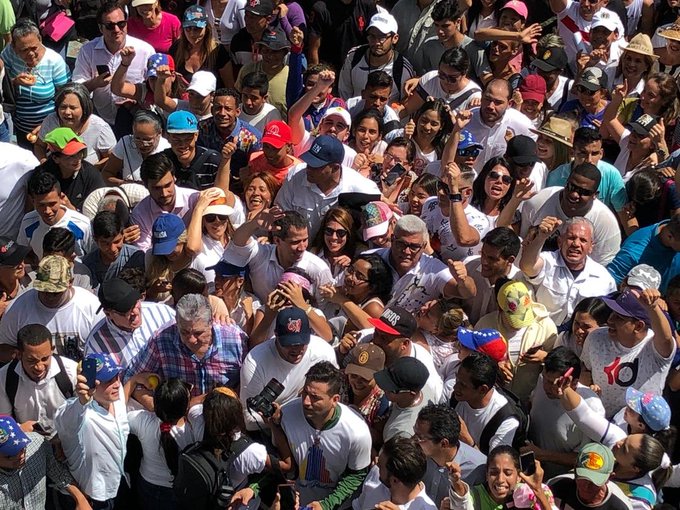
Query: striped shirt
(108, 338)
(36, 102)
(167, 356)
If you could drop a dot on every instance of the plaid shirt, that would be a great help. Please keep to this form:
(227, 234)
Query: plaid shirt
(167, 356)
(26, 488)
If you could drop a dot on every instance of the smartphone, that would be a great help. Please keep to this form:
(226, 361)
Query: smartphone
(90, 371)
(527, 463)
(38, 428)
(103, 69)
(395, 172)
(287, 491)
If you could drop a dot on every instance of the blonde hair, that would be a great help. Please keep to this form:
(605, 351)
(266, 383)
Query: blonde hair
(159, 268)
(451, 320)
(208, 51)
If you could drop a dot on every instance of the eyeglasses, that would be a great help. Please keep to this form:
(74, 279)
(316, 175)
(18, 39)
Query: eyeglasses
(449, 78)
(379, 38)
(582, 90)
(144, 142)
(422, 439)
(112, 24)
(573, 188)
(340, 232)
(403, 246)
(351, 271)
(494, 176)
(469, 152)
(388, 157)
(211, 218)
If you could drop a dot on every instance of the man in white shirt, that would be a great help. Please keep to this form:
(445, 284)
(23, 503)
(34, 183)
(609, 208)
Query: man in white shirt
(269, 261)
(285, 357)
(38, 382)
(494, 122)
(313, 190)
(49, 212)
(555, 439)
(376, 95)
(577, 198)
(99, 58)
(562, 278)
(15, 169)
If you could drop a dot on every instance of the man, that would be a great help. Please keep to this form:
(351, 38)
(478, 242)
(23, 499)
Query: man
(397, 479)
(555, 439)
(258, 16)
(201, 91)
(589, 486)
(312, 191)
(195, 349)
(49, 212)
(37, 382)
(605, 51)
(329, 443)
(61, 241)
(551, 64)
(26, 462)
(437, 430)
(415, 25)
(656, 245)
(496, 260)
(69, 312)
(286, 357)
(588, 149)
(195, 167)
(479, 402)
(378, 54)
(521, 153)
(255, 108)
(419, 278)
(15, 169)
(129, 322)
(404, 385)
(158, 175)
(13, 278)
(291, 238)
(562, 278)
(377, 91)
(105, 51)
(634, 350)
(377, 224)
(493, 123)
(577, 198)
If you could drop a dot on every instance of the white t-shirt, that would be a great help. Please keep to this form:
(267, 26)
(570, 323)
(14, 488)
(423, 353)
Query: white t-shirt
(98, 135)
(558, 96)
(615, 368)
(268, 114)
(622, 159)
(575, 31)
(439, 225)
(33, 230)
(430, 84)
(16, 167)
(211, 254)
(127, 152)
(374, 492)
(476, 420)
(70, 324)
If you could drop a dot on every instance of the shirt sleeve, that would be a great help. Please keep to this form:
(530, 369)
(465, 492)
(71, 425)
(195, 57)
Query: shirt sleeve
(596, 427)
(241, 255)
(504, 434)
(147, 360)
(60, 72)
(57, 472)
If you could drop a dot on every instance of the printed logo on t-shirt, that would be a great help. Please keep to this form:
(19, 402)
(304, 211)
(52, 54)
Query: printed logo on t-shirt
(623, 374)
(313, 468)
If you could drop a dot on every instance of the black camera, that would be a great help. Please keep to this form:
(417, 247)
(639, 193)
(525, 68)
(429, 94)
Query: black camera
(263, 402)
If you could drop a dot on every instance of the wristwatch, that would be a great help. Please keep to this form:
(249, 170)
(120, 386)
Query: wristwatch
(455, 197)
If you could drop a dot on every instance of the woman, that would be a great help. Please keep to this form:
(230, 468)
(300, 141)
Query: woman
(430, 128)
(482, 14)
(260, 190)
(209, 231)
(230, 281)
(591, 93)
(336, 240)
(423, 188)
(589, 313)
(553, 144)
(492, 190)
(35, 72)
(149, 23)
(74, 110)
(158, 432)
(127, 155)
(168, 255)
(367, 131)
(196, 49)
(635, 65)
(438, 321)
(366, 289)
(503, 478)
(652, 198)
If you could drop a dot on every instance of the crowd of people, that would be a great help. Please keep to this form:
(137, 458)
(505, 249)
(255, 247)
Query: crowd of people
(413, 254)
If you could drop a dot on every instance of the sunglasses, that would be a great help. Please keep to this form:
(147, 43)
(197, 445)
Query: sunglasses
(573, 188)
(494, 176)
(403, 246)
(341, 232)
(211, 218)
(112, 24)
(469, 152)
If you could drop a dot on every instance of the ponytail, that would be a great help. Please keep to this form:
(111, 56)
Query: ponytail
(171, 401)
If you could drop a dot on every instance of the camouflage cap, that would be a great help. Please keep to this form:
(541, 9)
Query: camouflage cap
(54, 274)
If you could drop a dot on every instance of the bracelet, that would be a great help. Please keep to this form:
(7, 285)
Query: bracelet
(125, 65)
(308, 309)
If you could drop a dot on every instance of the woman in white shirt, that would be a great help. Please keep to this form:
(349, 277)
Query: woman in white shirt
(492, 190)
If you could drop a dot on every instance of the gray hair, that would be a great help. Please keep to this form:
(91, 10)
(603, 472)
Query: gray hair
(194, 308)
(410, 224)
(25, 27)
(577, 220)
(80, 91)
(148, 117)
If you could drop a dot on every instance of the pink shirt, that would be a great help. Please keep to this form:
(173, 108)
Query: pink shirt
(161, 37)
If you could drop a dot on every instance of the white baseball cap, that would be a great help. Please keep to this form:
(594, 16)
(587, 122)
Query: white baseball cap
(203, 82)
(384, 22)
(608, 20)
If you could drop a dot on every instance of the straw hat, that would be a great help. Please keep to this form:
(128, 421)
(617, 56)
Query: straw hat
(671, 32)
(642, 45)
(557, 129)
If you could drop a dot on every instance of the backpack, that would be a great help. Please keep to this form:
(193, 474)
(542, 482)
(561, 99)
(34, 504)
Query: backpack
(202, 481)
(512, 409)
(12, 381)
(397, 65)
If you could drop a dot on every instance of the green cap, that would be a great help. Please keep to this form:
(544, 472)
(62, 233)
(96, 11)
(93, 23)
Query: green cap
(53, 275)
(64, 140)
(595, 463)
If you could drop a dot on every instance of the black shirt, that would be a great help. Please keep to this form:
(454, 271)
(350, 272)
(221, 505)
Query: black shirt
(564, 490)
(79, 187)
(202, 171)
(221, 59)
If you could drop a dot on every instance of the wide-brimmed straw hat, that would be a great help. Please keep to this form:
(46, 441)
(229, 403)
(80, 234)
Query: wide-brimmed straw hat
(642, 45)
(557, 129)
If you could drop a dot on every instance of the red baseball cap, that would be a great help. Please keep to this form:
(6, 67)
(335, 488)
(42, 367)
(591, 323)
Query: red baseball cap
(277, 133)
(533, 87)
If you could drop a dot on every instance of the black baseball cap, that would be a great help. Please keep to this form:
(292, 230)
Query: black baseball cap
(118, 295)
(551, 59)
(521, 150)
(260, 7)
(292, 327)
(395, 320)
(643, 124)
(11, 253)
(405, 374)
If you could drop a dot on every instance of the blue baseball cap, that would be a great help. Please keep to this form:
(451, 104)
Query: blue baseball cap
(324, 151)
(12, 438)
(181, 121)
(227, 270)
(165, 233)
(654, 409)
(626, 304)
(467, 140)
(195, 16)
(292, 327)
(107, 366)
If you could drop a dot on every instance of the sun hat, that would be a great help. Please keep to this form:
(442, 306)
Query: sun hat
(556, 129)
(219, 205)
(641, 44)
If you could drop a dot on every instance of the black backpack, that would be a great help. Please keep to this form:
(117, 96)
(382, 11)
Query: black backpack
(12, 381)
(202, 481)
(397, 65)
(512, 409)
